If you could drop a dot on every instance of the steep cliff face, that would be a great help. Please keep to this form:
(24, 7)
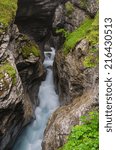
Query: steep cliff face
(20, 70)
(73, 29)
(78, 89)
(75, 71)
(34, 17)
(69, 16)
(65, 117)
(28, 60)
(79, 52)
(71, 77)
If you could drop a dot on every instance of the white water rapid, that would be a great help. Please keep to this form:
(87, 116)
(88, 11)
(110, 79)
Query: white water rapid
(31, 138)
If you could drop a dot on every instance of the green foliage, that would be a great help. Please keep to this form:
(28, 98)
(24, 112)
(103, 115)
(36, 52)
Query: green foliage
(93, 32)
(30, 48)
(5, 67)
(88, 30)
(7, 12)
(77, 35)
(92, 59)
(85, 136)
(69, 8)
(63, 31)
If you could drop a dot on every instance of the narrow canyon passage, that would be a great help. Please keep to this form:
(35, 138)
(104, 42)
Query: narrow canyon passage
(32, 136)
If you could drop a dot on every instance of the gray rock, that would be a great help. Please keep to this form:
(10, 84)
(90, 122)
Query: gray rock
(90, 6)
(34, 17)
(65, 117)
(69, 73)
(19, 84)
(68, 21)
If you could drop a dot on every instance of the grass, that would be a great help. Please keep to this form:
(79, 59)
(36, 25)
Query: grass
(30, 48)
(89, 30)
(7, 13)
(77, 35)
(5, 67)
(92, 59)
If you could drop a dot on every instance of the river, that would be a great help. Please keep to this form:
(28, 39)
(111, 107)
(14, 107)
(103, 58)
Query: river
(31, 137)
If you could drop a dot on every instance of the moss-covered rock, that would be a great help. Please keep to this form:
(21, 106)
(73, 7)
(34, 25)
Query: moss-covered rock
(89, 30)
(6, 67)
(7, 13)
(26, 47)
(29, 49)
(77, 35)
(69, 8)
(92, 59)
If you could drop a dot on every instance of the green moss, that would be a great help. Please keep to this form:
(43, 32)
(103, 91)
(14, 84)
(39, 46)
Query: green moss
(1, 75)
(93, 32)
(77, 35)
(89, 30)
(85, 136)
(63, 32)
(7, 12)
(92, 59)
(10, 70)
(69, 8)
(30, 48)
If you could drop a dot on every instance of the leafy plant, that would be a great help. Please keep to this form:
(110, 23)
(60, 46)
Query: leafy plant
(85, 136)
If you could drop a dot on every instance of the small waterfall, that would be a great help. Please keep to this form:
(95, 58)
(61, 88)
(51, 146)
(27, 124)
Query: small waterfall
(31, 138)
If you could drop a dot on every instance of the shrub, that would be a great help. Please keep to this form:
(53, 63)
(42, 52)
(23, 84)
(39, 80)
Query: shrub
(85, 136)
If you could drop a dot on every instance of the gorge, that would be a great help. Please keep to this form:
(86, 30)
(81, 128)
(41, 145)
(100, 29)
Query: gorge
(28, 30)
(33, 134)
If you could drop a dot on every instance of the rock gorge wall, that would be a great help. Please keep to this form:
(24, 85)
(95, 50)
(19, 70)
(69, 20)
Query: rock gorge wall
(35, 17)
(75, 69)
(21, 72)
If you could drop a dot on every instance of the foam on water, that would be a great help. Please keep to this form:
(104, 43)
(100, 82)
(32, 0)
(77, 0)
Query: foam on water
(32, 136)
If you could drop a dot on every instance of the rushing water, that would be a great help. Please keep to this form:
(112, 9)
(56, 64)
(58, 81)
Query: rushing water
(31, 138)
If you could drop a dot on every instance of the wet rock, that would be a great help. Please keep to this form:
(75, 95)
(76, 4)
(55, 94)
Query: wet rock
(34, 17)
(29, 64)
(69, 73)
(65, 117)
(21, 72)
